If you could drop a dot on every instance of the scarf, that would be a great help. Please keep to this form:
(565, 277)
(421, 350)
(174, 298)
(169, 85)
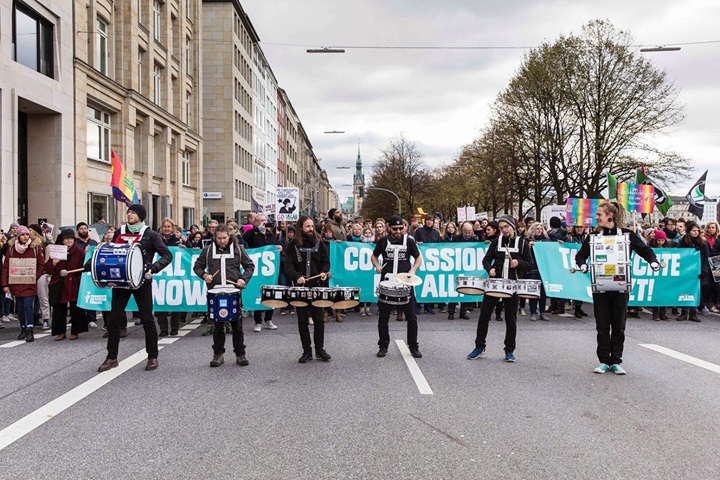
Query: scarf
(135, 228)
(20, 248)
(353, 238)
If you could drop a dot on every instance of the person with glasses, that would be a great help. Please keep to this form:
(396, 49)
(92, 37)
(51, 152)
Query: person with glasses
(397, 248)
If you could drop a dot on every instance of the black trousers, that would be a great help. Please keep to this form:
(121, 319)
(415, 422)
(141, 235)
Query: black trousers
(463, 308)
(410, 316)
(77, 316)
(258, 315)
(118, 318)
(174, 321)
(238, 337)
(303, 313)
(488, 306)
(610, 309)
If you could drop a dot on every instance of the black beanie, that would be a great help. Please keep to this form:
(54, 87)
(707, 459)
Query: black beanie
(139, 210)
(37, 228)
(555, 222)
(67, 233)
(81, 224)
(331, 213)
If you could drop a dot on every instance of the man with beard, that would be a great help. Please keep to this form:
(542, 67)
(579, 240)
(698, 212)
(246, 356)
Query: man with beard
(335, 221)
(397, 247)
(83, 242)
(427, 234)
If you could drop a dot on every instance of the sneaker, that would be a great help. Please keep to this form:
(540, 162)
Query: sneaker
(498, 318)
(46, 325)
(714, 309)
(465, 316)
(509, 357)
(415, 352)
(451, 316)
(138, 321)
(217, 360)
(602, 368)
(617, 369)
(362, 312)
(533, 317)
(283, 312)
(382, 352)
(209, 330)
(1, 326)
(442, 309)
(322, 355)
(306, 357)
(310, 321)
(544, 317)
(476, 353)
(5, 319)
(242, 361)
(258, 327)
(522, 312)
(430, 311)
(91, 325)
(270, 325)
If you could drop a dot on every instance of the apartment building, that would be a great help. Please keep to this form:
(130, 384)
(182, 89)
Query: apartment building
(138, 94)
(265, 131)
(37, 168)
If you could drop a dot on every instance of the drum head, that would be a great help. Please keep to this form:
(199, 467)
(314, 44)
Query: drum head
(322, 303)
(223, 290)
(135, 266)
(274, 303)
(299, 303)
(470, 291)
(343, 304)
(408, 279)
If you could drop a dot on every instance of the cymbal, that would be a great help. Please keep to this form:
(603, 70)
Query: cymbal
(408, 279)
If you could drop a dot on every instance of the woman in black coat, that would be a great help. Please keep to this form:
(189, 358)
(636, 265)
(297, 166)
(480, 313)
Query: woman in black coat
(693, 239)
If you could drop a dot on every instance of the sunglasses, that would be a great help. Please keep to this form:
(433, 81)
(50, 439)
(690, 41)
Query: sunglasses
(396, 229)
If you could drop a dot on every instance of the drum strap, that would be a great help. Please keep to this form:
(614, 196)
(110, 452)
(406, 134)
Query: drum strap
(308, 257)
(396, 250)
(222, 257)
(131, 237)
(508, 250)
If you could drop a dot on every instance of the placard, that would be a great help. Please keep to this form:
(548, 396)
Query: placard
(461, 215)
(286, 208)
(470, 213)
(57, 251)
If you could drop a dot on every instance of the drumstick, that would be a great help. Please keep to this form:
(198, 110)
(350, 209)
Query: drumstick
(64, 273)
(318, 276)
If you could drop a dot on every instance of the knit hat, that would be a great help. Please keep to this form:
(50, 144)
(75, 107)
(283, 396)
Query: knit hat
(395, 221)
(331, 213)
(290, 228)
(22, 229)
(507, 219)
(555, 222)
(83, 224)
(493, 224)
(67, 233)
(139, 210)
(37, 228)
(14, 224)
(660, 235)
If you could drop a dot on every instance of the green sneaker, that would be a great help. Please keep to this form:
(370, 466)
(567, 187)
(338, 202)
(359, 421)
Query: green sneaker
(602, 368)
(209, 330)
(617, 369)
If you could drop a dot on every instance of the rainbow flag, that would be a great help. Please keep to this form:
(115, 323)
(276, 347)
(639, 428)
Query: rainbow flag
(636, 198)
(581, 211)
(122, 185)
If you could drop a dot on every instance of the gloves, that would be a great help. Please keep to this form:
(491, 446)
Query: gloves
(655, 266)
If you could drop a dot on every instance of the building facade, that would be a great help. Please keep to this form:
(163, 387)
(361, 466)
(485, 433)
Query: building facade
(138, 94)
(37, 167)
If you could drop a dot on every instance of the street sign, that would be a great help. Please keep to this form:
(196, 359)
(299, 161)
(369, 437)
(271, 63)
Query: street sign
(212, 195)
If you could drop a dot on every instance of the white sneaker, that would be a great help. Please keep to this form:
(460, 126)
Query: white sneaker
(13, 317)
(5, 319)
(269, 324)
(92, 325)
(45, 325)
(310, 321)
(715, 309)
(258, 327)
(522, 312)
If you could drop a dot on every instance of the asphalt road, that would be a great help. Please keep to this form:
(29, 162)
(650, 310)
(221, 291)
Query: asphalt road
(547, 416)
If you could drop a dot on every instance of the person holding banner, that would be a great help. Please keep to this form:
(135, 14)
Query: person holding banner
(219, 264)
(396, 249)
(693, 239)
(610, 308)
(136, 231)
(307, 264)
(507, 257)
(65, 289)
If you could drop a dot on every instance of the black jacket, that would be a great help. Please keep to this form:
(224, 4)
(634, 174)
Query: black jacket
(636, 245)
(295, 262)
(427, 235)
(495, 257)
(705, 276)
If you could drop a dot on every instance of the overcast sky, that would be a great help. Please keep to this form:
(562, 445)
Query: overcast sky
(440, 99)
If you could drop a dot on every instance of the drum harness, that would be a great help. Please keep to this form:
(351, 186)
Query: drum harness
(508, 257)
(394, 251)
(222, 257)
(308, 257)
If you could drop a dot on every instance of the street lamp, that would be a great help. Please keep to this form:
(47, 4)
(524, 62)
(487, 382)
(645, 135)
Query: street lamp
(334, 131)
(660, 49)
(325, 50)
(389, 191)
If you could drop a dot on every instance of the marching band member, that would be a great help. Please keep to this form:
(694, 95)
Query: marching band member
(611, 307)
(226, 255)
(136, 231)
(396, 250)
(308, 256)
(508, 256)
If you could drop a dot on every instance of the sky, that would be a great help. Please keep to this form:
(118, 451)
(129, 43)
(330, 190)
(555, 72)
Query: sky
(441, 99)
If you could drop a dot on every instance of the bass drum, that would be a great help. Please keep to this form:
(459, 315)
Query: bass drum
(115, 265)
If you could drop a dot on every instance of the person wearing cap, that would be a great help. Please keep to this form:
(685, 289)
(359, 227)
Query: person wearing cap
(83, 239)
(65, 289)
(134, 231)
(388, 248)
(21, 279)
(610, 308)
(507, 257)
(659, 240)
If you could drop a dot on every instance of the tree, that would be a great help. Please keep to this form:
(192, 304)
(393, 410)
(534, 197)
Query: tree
(401, 170)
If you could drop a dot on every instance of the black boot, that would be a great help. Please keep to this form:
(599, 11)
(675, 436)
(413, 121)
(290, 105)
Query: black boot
(322, 355)
(23, 334)
(306, 356)
(693, 316)
(31, 337)
(578, 313)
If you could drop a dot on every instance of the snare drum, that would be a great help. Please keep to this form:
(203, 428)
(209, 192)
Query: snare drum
(393, 293)
(610, 263)
(323, 296)
(528, 288)
(470, 285)
(299, 296)
(500, 287)
(346, 297)
(224, 304)
(115, 265)
(274, 296)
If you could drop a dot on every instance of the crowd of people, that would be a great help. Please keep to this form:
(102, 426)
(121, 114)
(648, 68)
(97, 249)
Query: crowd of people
(41, 291)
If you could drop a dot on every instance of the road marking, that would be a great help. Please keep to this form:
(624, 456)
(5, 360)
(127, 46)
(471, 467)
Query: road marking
(189, 327)
(30, 422)
(196, 321)
(417, 375)
(167, 341)
(681, 356)
(12, 344)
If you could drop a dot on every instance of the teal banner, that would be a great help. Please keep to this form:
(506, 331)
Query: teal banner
(676, 285)
(442, 262)
(177, 289)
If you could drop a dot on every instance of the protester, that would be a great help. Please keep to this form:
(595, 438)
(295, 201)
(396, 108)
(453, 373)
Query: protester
(693, 239)
(65, 289)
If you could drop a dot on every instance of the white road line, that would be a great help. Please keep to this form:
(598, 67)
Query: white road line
(196, 321)
(681, 356)
(167, 341)
(417, 375)
(30, 422)
(12, 344)
(182, 333)
(41, 335)
(189, 327)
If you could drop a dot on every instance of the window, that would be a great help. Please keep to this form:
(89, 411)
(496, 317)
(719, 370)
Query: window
(98, 134)
(187, 107)
(186, 168)
(101, 46)
(100, 207)
(188, 65)
(156, 20)
(33, 41)
(139, 10)
(188, 217)
(157, 75)
(140, 70)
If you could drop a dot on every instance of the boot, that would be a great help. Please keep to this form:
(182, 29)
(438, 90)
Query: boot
(31, 337)
(306, 356)
(693, 316)
(656, 317)
(217, 360)
(23, 334)
(338, 316)
(577, 312)
(683, 316)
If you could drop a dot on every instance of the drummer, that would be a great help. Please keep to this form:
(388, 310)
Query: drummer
(135, 231)
(396, 249)
(610, 308)
(307, 256)
(508, 257)
(226, 251)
